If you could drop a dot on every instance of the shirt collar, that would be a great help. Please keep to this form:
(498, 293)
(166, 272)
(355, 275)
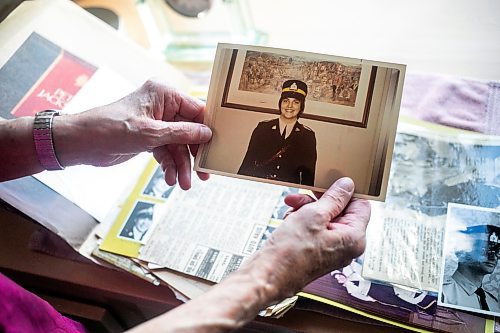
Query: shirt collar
(289, 127)
(465, 283)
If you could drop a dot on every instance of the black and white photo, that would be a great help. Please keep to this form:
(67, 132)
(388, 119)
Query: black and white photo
(157, 186)
(470, 278)
(139, 222)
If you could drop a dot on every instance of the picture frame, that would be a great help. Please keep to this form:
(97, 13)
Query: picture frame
(340, 89)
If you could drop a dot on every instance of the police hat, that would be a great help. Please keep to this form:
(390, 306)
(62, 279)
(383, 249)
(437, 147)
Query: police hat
(482, 229)
(487, 231)
(294, 88)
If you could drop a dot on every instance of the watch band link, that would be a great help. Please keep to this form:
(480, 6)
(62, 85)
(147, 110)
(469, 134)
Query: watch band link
(44, 144)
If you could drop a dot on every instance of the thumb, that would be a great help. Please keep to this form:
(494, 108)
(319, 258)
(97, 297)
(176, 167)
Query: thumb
(181, 133)
(336, 198)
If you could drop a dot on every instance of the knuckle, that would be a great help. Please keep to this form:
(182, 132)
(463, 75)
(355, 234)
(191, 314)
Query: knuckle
(183, 131)
(173, 100)
(355, 244)
(149, 84)
(316, 213)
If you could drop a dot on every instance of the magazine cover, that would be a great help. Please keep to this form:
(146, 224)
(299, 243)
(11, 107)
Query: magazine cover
(46, 77)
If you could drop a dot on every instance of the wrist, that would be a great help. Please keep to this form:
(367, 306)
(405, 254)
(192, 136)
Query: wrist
(64, 141)
(73, 137)
(284, 277)
(43, 139)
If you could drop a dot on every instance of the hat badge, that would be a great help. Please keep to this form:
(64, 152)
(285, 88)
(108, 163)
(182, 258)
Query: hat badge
(293, 86)
(494, 238)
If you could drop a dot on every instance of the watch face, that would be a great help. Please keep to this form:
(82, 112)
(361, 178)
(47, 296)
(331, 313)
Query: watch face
(190, 8)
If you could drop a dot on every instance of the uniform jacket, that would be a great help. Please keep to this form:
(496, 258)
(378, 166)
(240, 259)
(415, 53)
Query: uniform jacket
(290, 160)
(458, 290)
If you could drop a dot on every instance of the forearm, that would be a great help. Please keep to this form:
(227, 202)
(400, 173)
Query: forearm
(71, 135)
(17, 149)
(227, 306)
(81, 138)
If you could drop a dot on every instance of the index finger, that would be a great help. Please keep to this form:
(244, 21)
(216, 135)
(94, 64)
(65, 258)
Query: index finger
(178, 106)
(356, 214)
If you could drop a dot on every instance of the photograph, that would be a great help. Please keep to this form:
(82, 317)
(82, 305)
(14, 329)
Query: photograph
(470, 278)
(417, 308)
(139, 222)
(301, 119)
(282, 208)
(157, 186)
(431, 169)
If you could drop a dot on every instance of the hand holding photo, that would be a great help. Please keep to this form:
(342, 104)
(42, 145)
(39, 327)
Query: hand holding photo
(301, 119)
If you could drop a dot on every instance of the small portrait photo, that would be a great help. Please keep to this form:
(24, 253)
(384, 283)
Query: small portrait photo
(265, 236)
(139, 222)
(301, 119)
(281, 207)
(157, 187)
(470, 277)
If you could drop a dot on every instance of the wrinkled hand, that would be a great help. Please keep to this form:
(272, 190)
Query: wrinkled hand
(153, 118)
(317, 237)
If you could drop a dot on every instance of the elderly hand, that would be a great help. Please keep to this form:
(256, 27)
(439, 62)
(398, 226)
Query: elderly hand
(317, 237)
(153, 118)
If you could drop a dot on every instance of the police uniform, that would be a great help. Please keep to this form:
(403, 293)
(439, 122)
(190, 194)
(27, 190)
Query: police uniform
(273, 155)
(459, 290)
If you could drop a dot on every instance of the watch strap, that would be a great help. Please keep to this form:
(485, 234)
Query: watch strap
(44, 144)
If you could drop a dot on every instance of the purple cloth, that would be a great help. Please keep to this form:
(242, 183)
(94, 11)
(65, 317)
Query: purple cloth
(24, 312)
(446, 100)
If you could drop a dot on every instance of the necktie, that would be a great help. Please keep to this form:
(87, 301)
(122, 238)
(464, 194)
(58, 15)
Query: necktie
(482, 298)
(283, 135)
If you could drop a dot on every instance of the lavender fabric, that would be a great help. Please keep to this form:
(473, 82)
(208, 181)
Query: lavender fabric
(24, 312)
(463, 103)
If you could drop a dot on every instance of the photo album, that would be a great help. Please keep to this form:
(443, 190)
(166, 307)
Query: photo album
(301, 119)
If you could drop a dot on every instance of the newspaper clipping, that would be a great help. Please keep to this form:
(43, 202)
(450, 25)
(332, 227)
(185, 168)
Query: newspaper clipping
(429, 170)
(234, 216)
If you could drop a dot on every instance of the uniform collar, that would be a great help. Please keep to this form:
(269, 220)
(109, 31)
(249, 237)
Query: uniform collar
(289, 127)
(465, 283)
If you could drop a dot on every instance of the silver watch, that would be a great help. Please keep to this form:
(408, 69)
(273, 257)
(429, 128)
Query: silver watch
(42, 135)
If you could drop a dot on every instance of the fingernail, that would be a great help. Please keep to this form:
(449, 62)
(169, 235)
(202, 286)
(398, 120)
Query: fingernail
(345, 183)
(205, 133)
